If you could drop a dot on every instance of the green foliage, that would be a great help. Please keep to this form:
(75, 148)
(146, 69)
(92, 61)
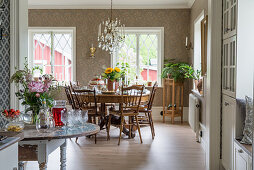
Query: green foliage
(37, 68)
(190, 72)
(124, 69)
(179, 71)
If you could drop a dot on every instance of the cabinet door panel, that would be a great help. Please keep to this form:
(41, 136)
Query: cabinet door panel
(241, 161)
(228, 112)
(229, 18)
(229, 66)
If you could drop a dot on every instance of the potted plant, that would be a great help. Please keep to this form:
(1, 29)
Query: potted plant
(175, 71)
(195, 75)
(113, 76)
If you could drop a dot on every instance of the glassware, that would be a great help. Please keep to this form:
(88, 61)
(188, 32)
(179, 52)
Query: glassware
(84, 116)
(42, 121)
(15, 127)
(59, 106)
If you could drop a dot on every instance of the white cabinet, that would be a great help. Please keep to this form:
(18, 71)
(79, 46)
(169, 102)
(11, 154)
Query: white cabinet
(228, 114)
(242, 161)
(229, 67)
(229, 18)
(9, 158)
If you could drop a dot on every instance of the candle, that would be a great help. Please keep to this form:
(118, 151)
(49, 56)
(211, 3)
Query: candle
(92, 45)
(99, 32)
(186, 43)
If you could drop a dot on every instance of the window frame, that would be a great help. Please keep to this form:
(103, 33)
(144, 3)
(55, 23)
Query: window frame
(72, 30)
(149, 30)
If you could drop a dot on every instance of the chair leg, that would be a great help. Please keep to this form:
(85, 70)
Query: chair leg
(130, 127)
(181, 117)
(108, 127)
(95, 138)
(89, 119)
(121, 129)
(150, 123)
(138, 129)
(76, 139)
(151, 116)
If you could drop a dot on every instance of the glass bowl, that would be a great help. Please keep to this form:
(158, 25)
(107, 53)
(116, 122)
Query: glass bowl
(15, 127)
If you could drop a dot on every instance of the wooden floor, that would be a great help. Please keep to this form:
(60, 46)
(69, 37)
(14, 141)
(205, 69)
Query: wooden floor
(174, 148)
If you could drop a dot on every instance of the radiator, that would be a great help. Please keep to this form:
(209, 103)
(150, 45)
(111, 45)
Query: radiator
(194, 114)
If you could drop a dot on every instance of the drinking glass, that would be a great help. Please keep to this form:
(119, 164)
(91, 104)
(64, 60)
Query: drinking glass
(84, 116)
(59, 106)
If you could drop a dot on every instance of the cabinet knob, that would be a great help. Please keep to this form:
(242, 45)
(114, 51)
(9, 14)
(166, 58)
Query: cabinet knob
(226, 104)
(240, 151)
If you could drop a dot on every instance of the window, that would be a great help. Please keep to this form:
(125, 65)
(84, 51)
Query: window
(53, 51)
(142, 50)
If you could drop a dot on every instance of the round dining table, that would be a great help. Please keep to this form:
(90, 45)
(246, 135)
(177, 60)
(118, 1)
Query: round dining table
(37, 146)
(102, 97)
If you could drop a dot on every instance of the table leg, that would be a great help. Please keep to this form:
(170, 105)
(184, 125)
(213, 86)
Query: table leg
(21, 165)
(42, 155)
(63, 156)
(43, 166)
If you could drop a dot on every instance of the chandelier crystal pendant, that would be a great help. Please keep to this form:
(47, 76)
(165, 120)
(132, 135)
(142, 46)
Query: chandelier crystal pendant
(111, 34)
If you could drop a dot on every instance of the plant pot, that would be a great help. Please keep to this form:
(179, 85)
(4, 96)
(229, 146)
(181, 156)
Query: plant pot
(112, 85)
(196, 84)
(200, 86)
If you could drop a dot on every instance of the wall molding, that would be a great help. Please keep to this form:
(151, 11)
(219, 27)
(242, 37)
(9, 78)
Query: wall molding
(14, 49)
(213, 97)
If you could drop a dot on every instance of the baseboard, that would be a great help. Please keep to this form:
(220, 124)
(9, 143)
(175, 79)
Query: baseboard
(157, 116)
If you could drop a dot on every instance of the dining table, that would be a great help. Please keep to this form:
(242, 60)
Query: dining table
(36, 146)
(109, 99)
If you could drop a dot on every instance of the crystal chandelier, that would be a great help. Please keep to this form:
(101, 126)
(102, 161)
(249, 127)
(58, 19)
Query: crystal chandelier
(111, 34)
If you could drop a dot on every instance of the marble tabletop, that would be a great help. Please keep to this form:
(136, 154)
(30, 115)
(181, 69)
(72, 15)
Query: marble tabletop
(11, 139)
(62, 133)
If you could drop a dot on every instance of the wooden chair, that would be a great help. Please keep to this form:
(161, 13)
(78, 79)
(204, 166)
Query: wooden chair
(74, 84)
(146, 110)
(172, 99)
(86, 100)
(128, 107)
(70, 97)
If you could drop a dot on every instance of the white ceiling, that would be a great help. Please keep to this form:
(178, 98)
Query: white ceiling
(105, 4)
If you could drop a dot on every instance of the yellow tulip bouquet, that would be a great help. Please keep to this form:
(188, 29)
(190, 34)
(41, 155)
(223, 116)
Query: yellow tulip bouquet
(112, 74)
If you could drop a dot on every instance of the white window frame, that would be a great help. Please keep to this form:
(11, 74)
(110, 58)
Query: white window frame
(32, 30)
(149, 30)
(197, 21)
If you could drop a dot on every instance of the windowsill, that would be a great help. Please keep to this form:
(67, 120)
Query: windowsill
(197, 93)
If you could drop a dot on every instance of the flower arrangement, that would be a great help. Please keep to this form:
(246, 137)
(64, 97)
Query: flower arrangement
(34, 90)
(112, 74)
(11, 114)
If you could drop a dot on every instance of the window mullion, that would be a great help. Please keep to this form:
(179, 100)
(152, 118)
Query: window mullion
(52, 58)
(137, 57)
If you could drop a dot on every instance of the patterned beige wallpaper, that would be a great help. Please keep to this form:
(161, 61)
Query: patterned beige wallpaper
(176, 25)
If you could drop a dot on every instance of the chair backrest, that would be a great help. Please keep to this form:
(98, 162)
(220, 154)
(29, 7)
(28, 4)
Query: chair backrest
(86, 99)
(131, 97)
(150, 102)
(74, 84)
(69, 96)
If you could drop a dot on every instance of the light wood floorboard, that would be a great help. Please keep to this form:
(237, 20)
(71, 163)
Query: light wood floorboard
(174, 148)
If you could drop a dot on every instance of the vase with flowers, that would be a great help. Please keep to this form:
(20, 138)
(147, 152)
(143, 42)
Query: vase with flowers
(113, 76)
(33, 90)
